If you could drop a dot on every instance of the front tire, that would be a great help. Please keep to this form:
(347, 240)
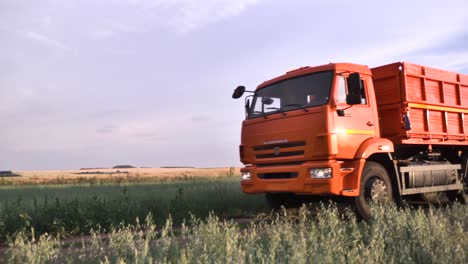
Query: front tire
(375, 187)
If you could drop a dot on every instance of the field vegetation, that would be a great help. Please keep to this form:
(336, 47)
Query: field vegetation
(392, 236)
(115, 175)
(194, 218)
(77, 209)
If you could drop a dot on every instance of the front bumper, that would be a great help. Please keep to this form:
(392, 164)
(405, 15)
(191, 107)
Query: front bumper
(302, 184)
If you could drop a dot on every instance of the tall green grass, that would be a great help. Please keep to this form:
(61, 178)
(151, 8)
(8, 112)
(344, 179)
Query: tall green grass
(78, 209)
(392, 236)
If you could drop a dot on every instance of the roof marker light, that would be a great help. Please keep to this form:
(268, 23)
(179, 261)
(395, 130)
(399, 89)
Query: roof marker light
(297, 69)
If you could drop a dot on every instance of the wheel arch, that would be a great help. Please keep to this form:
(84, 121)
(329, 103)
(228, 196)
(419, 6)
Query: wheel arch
(374, 145)
(386, 160)
(379, 150)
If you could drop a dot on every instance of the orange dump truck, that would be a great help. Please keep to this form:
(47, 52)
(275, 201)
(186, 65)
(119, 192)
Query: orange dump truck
(343, 129)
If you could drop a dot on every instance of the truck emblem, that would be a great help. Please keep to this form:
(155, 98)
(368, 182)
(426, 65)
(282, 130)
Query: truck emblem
(275, 141)
(276, 151)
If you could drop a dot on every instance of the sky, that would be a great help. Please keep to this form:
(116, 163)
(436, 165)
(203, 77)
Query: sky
(96, 83)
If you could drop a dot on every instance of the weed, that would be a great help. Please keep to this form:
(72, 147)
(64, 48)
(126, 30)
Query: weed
(78, 209)
(393, 236)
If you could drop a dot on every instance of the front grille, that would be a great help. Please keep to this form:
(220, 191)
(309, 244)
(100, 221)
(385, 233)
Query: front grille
(280, 150)
(282, 145)
(281, 154)
(277, 175)
(294, 163)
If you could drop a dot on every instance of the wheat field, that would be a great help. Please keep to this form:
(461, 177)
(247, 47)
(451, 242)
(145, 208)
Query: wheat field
(116, 175)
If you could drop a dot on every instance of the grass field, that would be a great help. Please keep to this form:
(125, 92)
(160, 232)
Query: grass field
(392, 236)
(187, 220)
(77, 209)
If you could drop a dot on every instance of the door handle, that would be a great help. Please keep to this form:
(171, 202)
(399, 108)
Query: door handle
(370, 123)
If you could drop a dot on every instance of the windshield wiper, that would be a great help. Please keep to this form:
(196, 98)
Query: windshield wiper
(297, 106)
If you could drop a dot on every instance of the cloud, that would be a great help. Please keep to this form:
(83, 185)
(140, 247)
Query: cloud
(180, 16)
(103, 34)
(105, 130)
(454, 61)
(131, 92)
(187, 15)
(200, 118)
(47, 40)
(13, 99)
(194, 14)
(153, 137)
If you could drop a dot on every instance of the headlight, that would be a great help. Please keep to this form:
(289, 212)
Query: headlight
(245, 175)
(321, 173)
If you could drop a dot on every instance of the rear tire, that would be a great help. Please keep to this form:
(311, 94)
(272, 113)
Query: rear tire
(457, 196)
(375, 187)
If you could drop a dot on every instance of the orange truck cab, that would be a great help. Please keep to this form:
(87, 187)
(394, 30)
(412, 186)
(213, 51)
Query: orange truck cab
(343, 129)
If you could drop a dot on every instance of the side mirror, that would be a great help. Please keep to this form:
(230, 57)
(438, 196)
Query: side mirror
(238, 92)
(354, 89)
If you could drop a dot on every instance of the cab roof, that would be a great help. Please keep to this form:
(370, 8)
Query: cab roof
(338, 67)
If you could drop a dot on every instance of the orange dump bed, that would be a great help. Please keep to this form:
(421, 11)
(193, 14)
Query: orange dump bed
(421, 105)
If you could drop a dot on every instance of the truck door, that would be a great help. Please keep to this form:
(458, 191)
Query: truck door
(360, 121)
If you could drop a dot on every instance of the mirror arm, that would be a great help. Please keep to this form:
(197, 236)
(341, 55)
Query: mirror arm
(341, 112)
(247, 105)
(246, 98)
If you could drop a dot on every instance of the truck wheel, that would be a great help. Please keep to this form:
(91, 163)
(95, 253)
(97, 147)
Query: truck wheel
(457, 196)
(276, 200)
(375, 187)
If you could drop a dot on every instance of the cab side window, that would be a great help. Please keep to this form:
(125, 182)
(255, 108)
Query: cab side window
(343, 91)
(363, 93)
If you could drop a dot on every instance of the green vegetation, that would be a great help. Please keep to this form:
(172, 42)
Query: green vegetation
(39, 224)
(77, 209)
(392, 236)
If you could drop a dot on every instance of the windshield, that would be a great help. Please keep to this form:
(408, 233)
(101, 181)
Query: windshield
(300, 92)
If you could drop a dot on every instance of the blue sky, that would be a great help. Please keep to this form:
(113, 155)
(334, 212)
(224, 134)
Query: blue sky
(98, 83)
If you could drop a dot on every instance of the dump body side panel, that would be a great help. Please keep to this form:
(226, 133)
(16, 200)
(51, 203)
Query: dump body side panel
(435, 103)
